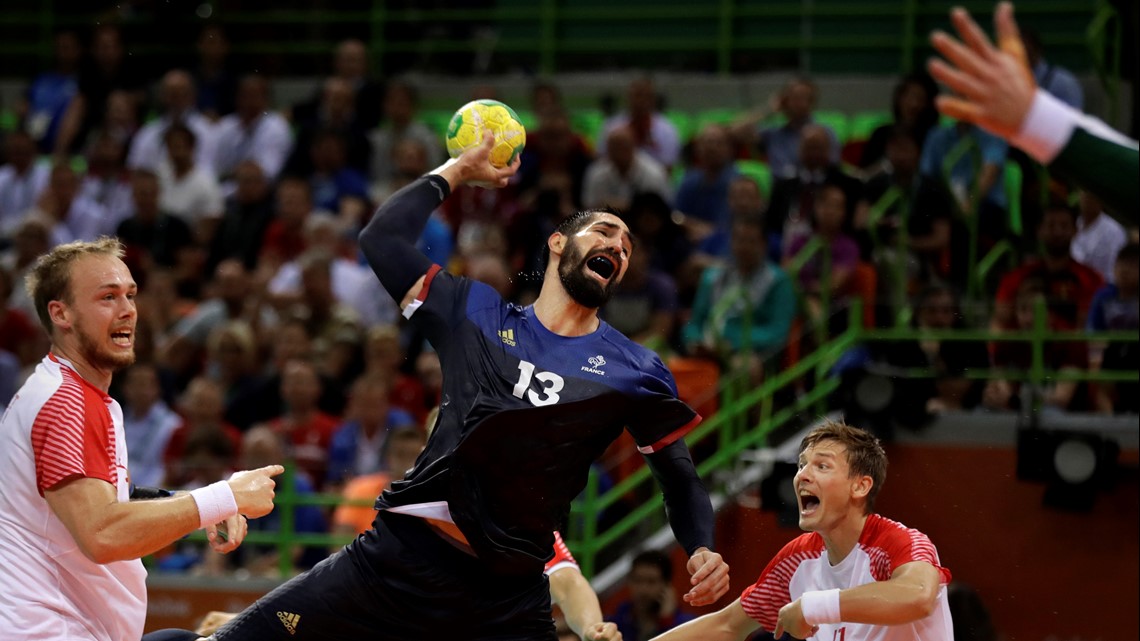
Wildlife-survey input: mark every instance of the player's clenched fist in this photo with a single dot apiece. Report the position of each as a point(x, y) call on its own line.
point(253, 490)
point(602, 632)
point(791, 620)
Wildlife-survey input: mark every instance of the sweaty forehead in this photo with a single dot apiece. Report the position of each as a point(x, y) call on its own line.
point(607, 218)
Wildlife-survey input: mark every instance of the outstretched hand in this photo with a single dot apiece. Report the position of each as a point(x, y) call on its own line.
point(709, 579)
point(602, 632)
point(995, 86)
point(253, 490)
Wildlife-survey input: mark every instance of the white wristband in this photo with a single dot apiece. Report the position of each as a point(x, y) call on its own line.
point(820, 606)
point(216, 503)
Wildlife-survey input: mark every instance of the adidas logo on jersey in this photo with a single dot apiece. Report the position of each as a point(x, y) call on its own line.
point(290, 621)
point(508, 336)
point(596, 364)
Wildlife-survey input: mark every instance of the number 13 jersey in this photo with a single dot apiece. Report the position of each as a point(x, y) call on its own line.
point(523, 413)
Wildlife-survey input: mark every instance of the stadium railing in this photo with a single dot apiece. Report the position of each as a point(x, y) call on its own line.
point(552, 36)
point(748, 417)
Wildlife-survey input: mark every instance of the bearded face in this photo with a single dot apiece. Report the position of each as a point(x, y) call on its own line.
point(102, 297)
point(119, 355)
point(589, 279)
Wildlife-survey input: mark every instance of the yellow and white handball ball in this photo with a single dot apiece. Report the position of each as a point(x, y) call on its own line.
point(478, 116)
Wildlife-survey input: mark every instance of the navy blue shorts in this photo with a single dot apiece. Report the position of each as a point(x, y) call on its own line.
point(399, 581)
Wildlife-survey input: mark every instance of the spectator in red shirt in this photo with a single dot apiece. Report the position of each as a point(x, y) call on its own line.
point(1068, 286)
point(201, 409)
point(383, 358)
point(18, 334)
point(306, 429)
point(284, 238)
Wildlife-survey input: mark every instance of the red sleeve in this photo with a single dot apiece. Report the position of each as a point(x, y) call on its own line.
point(70, 437)
point(671, 437)
point(562, 555)
point(15, 329)
point(1007, 290)
point(428, 278)
point(762, 600)
point(175, 446)
point(893, 545)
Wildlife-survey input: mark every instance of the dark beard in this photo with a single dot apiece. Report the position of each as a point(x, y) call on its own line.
point(100, 359)
point(585, 291)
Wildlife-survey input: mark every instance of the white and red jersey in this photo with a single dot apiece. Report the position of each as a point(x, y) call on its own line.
point(562, 557)
point(59, 426)
point(802, 566)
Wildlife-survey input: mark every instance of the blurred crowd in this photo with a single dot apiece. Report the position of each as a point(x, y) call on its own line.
point(263, 336)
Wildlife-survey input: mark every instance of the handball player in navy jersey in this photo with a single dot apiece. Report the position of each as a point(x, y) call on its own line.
point(531, 396)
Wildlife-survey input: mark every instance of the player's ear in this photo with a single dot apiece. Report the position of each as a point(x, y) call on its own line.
point(556, 243)
point(60, 314)
point(861, 486)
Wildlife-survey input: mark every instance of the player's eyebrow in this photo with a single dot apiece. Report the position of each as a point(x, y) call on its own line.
point(117, 286)
point(824, 454)
point(624, 232)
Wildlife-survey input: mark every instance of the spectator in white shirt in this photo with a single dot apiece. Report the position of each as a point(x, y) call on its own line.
point(120, 118)
point(21, 181)
point(624, 171)
point(353, 284)
point(652, 132)
point(176, 93)
point(253, 132)
point(235, 296)
point(70, 215)
point(148, 423)
point(1099, 237)
point(400, 102)
point(107, 182)
point(188, 191)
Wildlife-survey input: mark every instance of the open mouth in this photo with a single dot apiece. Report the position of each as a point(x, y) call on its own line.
point(602, 265)
point(809, 503)
point(121, 338)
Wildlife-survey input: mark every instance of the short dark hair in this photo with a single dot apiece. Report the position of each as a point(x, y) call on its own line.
point(921, 79)
point(578, 221)
point(865, 454)
point(657, 559)
point(575, 223)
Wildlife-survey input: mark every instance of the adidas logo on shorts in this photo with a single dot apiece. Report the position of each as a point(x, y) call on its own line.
point(290, 621)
